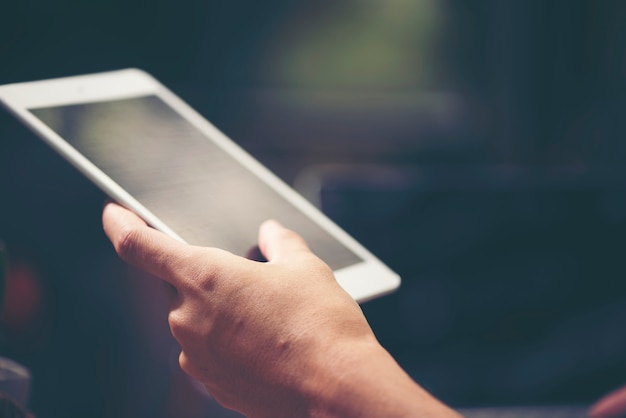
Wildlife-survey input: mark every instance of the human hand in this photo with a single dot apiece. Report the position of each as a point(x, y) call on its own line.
point(612, 405)
point(271, 339)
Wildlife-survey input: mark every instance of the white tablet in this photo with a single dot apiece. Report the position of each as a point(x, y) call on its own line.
point(150, 151)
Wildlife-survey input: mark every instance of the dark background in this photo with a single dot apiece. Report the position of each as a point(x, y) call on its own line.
point(477, 147)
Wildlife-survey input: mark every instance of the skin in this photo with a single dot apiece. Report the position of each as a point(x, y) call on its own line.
point(611, 406)
point(274, 339)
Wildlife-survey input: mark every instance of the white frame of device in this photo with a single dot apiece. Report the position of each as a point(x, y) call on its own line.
point(363, 281)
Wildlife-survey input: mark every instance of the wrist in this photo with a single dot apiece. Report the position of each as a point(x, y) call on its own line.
point(359, 378)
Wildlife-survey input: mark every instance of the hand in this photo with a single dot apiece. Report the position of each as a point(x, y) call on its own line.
point(612, 405)
point(271, 339)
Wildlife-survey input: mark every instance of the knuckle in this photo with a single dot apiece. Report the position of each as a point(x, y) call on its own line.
point(127, 241)
point(185, 364)
point(204, 269)
point(178, 325)
point(188, 367)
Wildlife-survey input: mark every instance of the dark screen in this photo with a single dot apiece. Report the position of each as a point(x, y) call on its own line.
point(188, 181)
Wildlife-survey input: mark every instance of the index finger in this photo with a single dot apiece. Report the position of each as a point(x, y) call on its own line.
point(142, 246)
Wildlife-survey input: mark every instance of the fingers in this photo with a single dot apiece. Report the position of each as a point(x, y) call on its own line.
point(142, 246)
point(279, 243)
point(612, 405)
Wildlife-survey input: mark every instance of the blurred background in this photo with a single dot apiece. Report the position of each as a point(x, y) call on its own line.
point(476, 147)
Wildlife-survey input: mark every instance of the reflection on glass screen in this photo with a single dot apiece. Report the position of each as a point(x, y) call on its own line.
point(181, 176)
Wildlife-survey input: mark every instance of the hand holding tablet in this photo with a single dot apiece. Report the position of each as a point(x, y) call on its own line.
point(274, 339)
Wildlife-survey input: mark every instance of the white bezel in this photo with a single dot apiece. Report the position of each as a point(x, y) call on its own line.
point(363, 281)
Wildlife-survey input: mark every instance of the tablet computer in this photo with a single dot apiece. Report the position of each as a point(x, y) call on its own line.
point(150, 151)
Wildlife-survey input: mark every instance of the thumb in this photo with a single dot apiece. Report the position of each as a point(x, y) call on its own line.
point(278, 243)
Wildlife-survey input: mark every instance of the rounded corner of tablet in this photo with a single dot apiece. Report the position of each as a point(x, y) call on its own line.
point(368, 280)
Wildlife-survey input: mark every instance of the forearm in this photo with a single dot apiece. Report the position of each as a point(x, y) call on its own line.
point(365, 381)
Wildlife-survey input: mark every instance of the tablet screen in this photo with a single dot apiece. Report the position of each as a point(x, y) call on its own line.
point(188, 181)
